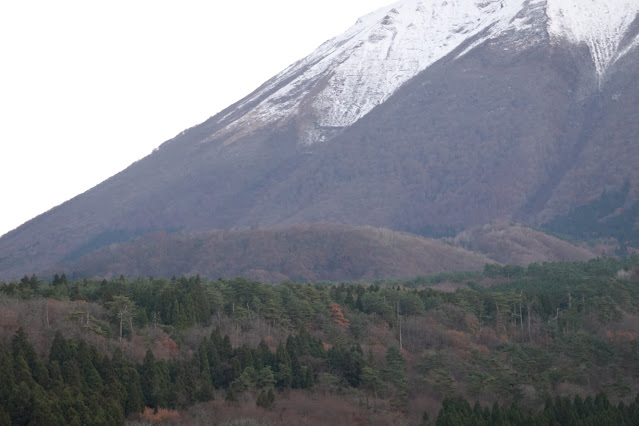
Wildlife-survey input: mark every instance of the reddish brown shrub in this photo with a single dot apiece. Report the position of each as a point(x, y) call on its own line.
point(338, 316)
point(161, 415)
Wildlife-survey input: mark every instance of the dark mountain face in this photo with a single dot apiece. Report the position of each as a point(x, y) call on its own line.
point(463, 143)
point(492, 131)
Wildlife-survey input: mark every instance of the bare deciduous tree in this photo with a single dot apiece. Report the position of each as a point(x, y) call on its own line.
point(123, 308)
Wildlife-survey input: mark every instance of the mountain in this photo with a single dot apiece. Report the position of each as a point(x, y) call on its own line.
point(425, 115)
point(311, 253)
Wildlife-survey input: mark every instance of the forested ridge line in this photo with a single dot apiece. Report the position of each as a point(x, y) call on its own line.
point(93, 351)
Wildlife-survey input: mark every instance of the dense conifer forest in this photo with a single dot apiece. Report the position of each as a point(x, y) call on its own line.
point(552, 343)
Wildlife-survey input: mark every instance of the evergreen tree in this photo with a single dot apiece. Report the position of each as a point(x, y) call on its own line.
point(265, 378)
point(226, 349)
point(283, 372)
point(21, 346)
point(20, 404)
point(205, 383)
point(22, 372)
point(135, 399)
point(44, 411)
point(7, 377)
point(149, 380)
point(349, 361)
point(5, 418)
point(371, 380)
point(266, 398)
point(263, 356)
point(56, 382)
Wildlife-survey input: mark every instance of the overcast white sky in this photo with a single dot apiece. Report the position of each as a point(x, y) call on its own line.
point(88, 87)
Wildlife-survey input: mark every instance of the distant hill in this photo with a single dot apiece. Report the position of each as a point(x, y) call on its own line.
point(517, 244)
point(316, 252)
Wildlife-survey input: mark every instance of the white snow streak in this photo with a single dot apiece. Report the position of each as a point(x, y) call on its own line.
point(601, 24)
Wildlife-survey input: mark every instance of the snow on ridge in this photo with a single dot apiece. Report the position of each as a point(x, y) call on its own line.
point(409, 37)
point(601, 24)
point(361, 68)
point(347, 76)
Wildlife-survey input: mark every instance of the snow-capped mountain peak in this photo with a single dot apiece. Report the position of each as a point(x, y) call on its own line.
point(347, 76)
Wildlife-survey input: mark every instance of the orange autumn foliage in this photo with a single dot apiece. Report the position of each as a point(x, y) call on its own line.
point(159, 416)
point(338, 315)
point(165, 348)
point(621, 336)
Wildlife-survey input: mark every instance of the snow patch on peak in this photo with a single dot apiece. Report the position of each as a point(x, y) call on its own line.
point(389, 47)
point(349, 75)
point(601, 24)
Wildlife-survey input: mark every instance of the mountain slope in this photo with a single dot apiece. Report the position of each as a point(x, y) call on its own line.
point(424, 114)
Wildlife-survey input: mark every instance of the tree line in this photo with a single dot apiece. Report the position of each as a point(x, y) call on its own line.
point(578, 411)
point(512, 334)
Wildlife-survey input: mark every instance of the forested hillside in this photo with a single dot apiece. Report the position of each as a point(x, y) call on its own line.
point(321, 252)
point(536, 344)
point(303, 252)
point(509, 243)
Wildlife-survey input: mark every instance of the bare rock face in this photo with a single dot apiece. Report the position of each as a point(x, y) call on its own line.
point(425, 114)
